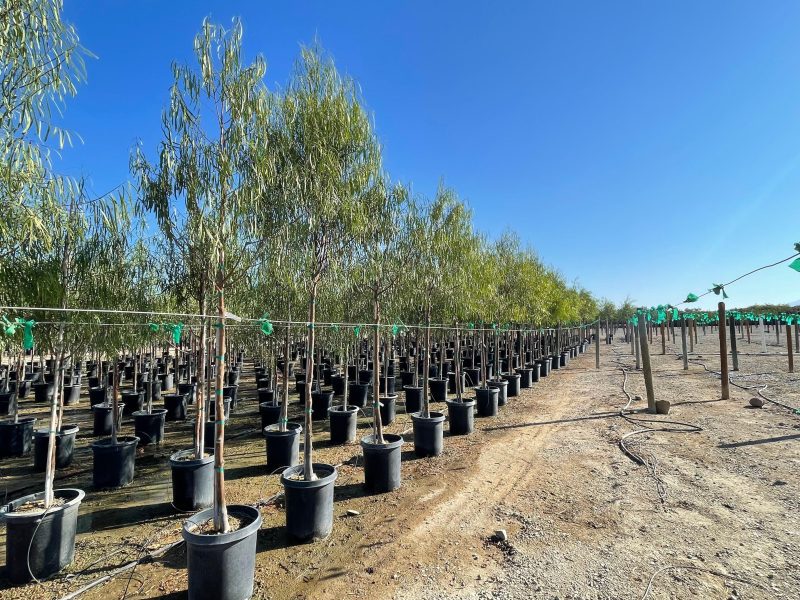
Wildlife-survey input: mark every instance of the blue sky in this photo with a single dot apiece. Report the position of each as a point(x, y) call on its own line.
point(644, 149)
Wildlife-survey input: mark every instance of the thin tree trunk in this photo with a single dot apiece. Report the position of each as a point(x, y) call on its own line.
point(200, 417)
point(308, 451)
point(220, 509)
point(377, 425)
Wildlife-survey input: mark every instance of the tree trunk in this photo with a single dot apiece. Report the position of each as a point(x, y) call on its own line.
point(308, 450)
point(200, 392)
point(377, 425)
point(426, 365)
point(220, 509)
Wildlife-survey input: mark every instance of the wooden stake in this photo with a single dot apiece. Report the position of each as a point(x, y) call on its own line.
point(640, 331)
point(597, 345)
point(734, 353)
point(789, 347)
point(723, 353)
point(763, 327)
point(663, 340)
point(683, 343)
point(648, 374)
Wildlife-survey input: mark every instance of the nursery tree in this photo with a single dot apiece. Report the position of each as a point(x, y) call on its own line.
point(207, 187)
point(329, 154)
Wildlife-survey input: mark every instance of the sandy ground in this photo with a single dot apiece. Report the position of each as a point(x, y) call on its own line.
point(712, 514)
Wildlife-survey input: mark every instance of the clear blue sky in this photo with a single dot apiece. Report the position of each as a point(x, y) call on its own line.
point(642, 148)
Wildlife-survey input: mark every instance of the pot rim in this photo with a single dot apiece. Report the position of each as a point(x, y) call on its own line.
point(20, 421)
point(7, 516)
point(198, 539)
point(125, 440)
point(274, 431)
point(323, 481)
point(65, 430)
point(465, 402)
point(435, 417)
point(175, 463)
point(154, 413)
point(396, 442)
point(339, 408)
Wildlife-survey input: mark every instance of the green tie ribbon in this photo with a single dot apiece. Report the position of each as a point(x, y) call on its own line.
point(266, 325)
point(691, 298)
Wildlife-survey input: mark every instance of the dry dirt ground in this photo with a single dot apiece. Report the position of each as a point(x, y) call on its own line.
point(712, 514)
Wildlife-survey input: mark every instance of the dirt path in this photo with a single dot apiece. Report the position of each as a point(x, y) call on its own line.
point(583, 520)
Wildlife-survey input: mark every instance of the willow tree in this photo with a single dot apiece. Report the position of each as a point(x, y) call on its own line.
point(383, 247)
point(206, 189)
point(41, 66)
point(330, 161)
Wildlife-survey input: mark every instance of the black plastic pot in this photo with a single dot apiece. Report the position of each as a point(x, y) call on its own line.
point(72, 394)
point(451, 381)
point(149, 427)
point(266, 395)
point(343, 424)
point(114, 464)
point(337, 383)
point(536, 372)
point(156, 389)
point(99, 395)
point(167, 381)
point(486, 401)
point(103, 418)
point(413, 399)
point(428, 433)
point(132, 401)
point(65, 446)
point(270, 413)
point(175, 405)
point(40, 543)
point(309, 504)
point(43, 392)
point(365, 376)
point(382, 471)
point(406, 378)
point(555, 363)
point(192, 480)
point(283, 447)
point(320, 403)
point(388, 408)
point(233, 377)
point(383, 383)
point(502, 388)
point(526, 377)
point(8, 403)
point(189, 390)
point(16, 439)
point(513, 380)
point(221, 566)
point(438, 389)
point(472, 377)
point(461, 416)
point(564, 358)
point(232, 392)
point(544, 367)
point(357, 394)
point(226, 409)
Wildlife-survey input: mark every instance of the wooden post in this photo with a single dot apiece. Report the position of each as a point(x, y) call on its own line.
point(690, 325)
point(796, 336)
point(648, 374)
point(789, 347)
point(683, 342)
point(632, 335)
point(663, 340)
point(778, 331)
point(763, 327)
point(597, 345)
point(638, 333)
point(694, 326)
point(723, 353)
point(748, 331)
point(734, 353)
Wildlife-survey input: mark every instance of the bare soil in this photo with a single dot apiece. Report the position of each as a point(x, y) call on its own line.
point(710, 514)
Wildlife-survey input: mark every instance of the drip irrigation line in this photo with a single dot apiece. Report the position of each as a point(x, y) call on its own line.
point(694, 568)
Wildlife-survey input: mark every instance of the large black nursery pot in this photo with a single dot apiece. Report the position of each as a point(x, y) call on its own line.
point(555, 361)
point(388, 409)
point(192, 480)
point(337, 383)
point(365, 376)
point(232, 392)
point(149, 427)
point(564, 358)
point(72, 394)
point(407, 378)
point(8, 402)
point(343, 424)
point(472, 377)
point(40, 543)
point(99, 395)
point(114, 464)
point(309, 504)
point(265, 395)
point(544, 367)
point(526, 377)
point(189, 390)
point(16, 439)
point(103, 418)
point(502, 387)
point(461, 416)
point(382, 471)
point(536, 372)
point(486, 401)
point(270, 413)
point(132, 401)
point(175, 405)
point(65, 446)
point(167, 381)
point(221, 566)
point(384, 382)
point(513, 380)
point(413, 398)
point(438, 389)
point(428, 433)
point(357, 394)
point(283, 447)
point(43, 392)
point(320, 403)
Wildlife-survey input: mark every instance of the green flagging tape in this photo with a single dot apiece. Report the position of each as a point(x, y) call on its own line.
point(222, 422)
point(718, 287)
point(310, 325)
point(283, 421)
point(219, 469)
point(219, 392)
point(691, 298)
point(357, 330)
point(795, 264)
